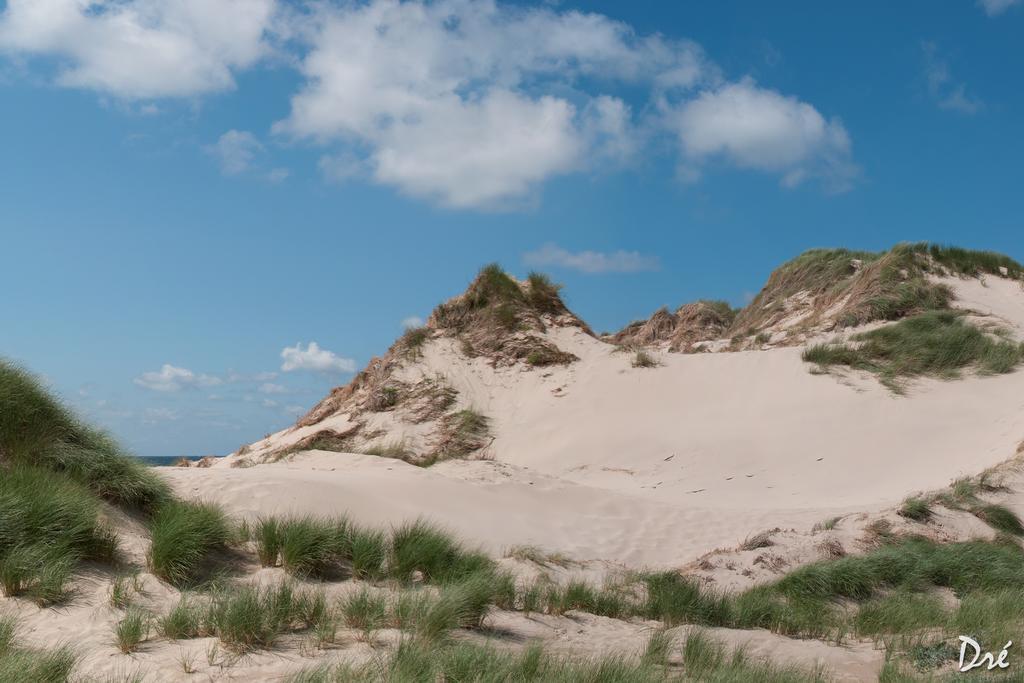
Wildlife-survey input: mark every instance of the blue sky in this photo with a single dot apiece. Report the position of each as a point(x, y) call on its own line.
point(189, 189)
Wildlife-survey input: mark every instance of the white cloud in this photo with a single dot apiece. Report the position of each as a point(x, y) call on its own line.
point(994, 7)
point(239, 151)
point(271, 388)
point(155, 415)
point(294, 411)
point(140, 49)
point(412, 321)
point(315, 359)
point(235, 377)
point(171, 378)
point(236, 150)
point(468, 104)
point(590, 261)
point(269, 403)
point(473, 103)
point(278, 175)
point(761, 129)
point(947, 92)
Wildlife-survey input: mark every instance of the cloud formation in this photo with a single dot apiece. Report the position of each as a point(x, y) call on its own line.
point(947, 92)
point(761, 129)
point(171, 378)
point(464, 103)
point(412, 321)
point(473, 103)
point(592, 262)
point(141, 49)
point(238, 151)
point(996, 7)
point(315, 359)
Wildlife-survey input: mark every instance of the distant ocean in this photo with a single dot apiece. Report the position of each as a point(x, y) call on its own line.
point(166, 460)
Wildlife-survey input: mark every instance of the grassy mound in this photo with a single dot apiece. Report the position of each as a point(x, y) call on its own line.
point(35, 429)
point(497, 317)
point(857, 287)
point(47, 524)
point(938, 344)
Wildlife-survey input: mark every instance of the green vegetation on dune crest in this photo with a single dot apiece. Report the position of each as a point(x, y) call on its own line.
point(937, 343)
point(858, 287)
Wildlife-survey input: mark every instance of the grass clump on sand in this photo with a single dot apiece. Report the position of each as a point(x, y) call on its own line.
point(416, 660)
point(26, 664)
point(917, 509)
point(247, 617)
point(938, 344)
point(365, 611)
point(47, 524)
point(543, 293)
point(324, 548)
point(132, 630)
point(462, 433)
point(267, 537)
point(185, 620)
point(312, 546)
point(36, 429)
point(367, 551)
point(434, 553)
point(184, 535)
point(413, 339)
point(643, 359)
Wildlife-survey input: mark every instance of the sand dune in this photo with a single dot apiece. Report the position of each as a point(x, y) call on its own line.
point(656, 466)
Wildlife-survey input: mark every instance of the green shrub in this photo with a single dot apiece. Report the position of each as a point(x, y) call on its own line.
point(183, 537)
point(675, 599)
point(422, 547)
point(367, 550)
point(312, 546)
point(267, 535)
